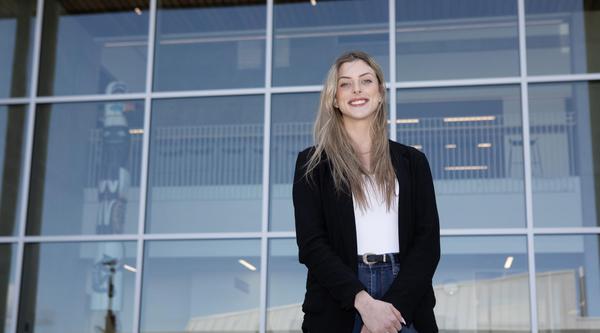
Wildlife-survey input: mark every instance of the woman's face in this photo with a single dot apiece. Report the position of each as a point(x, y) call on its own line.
point(357, 95)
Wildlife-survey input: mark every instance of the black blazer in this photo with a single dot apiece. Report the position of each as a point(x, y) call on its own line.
point(326, 237)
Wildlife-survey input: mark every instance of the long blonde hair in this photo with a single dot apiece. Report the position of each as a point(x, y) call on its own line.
point(331, 137)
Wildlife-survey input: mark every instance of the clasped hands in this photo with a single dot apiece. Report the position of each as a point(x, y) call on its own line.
point(377, 316)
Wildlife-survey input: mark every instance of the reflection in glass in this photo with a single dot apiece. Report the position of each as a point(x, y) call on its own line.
point(224, 45)
point(482, 285)
point(7, 286)
point(563, 36)
point(564, 153)
point(472, 137)
point(292, 119)
point(568, 283)
point(86, 45)
point(437, 39)
point(201, 286)
point(12, 130)
point(206, 165)
point(308, 38)
point(85, 168)
point(287, 278)
point(77, 287)
point(16, 42)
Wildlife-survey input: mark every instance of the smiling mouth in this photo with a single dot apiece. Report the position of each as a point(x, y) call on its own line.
point(358, 102)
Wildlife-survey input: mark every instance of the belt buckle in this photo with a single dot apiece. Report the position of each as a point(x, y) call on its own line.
point(366, 261)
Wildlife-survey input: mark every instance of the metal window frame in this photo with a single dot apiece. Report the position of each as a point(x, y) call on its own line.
point(20, 240)
point(28, 151)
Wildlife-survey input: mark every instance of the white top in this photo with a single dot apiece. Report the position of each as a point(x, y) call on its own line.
point(377, 228)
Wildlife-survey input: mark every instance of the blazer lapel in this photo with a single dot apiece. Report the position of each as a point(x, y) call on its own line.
point(348, 222)
point(402, 169)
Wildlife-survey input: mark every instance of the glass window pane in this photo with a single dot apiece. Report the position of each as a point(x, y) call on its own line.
point(88, 45)
point(308, 38)
point(564, 153)
point(201, 286)
point(563, 36)
point(85, 170)
point(437, 39)
point(292, 119)
point(206, 165)
point(287, 278)
point(472, 137)
point(17, 26)
point(12, 133)
point(67, 287)
point(482, 285)
point(568, 283)
point(7, 285)
point(223, 45)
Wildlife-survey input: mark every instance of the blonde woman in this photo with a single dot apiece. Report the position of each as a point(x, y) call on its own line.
point(366, 219)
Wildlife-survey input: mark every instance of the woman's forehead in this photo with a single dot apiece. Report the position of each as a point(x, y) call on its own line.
point(356, 67)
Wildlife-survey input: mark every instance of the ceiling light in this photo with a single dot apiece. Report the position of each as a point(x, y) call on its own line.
point(129, 268)
point(474, 118)
point(407, 121)
point(466, 167)
point(509, 261)
point(247, 264)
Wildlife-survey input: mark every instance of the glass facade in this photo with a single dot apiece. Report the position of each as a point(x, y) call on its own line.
point(97, 177)
point(473, 137)
point(224, 45)
point(12, 132)
point(437, 39)
point(147, 151)
point(16, 41)
point(201, 285)
point(87, 45)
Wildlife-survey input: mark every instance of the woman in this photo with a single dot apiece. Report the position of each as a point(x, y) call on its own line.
point(366, 219)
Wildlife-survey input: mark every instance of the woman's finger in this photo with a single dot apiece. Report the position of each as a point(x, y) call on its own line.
point(398, 315)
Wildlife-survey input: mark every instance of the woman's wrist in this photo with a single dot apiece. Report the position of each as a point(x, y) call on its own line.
point(361, 299)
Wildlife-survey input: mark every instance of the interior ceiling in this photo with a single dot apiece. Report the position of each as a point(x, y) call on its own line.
point(14, 8)
point(79, 6)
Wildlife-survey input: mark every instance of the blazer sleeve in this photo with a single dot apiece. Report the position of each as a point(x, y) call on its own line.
point(418, 266)
point(314, 249)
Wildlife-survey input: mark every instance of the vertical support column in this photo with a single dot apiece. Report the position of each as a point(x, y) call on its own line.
point(264, 240)
point(392, 78)
point(27, 156)
point(144, 169)
point(527, 167)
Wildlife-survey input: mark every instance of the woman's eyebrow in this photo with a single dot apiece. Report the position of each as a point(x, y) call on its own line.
point(347, 77)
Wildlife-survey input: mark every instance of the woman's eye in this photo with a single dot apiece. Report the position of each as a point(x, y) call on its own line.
point(344, 84)
point(367, 81)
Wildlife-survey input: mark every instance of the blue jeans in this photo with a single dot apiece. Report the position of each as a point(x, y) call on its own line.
point(377, 278)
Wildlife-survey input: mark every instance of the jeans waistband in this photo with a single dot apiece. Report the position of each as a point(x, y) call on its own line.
point(371, 258)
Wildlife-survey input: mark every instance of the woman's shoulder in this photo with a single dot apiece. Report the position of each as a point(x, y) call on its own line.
point(307, 153)
point(409, 152)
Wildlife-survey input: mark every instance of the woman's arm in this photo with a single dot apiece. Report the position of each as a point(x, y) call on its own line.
point(420, 262)
point(314, 248)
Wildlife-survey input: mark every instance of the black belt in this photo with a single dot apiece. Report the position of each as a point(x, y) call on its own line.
point(370, 258)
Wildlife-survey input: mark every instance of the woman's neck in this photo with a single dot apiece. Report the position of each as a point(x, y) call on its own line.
point(359, 133)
